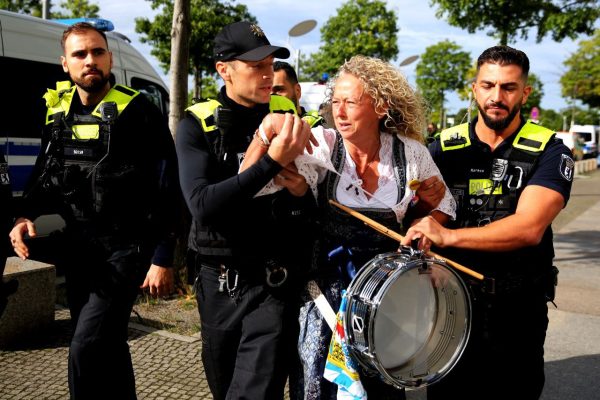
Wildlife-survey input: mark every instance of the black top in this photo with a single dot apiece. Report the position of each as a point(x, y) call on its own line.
point(551, 169)
point(135, 187)
point(230, 225)
point(5, 212)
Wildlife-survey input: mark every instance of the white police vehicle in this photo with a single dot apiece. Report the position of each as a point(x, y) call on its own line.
point(30, 63)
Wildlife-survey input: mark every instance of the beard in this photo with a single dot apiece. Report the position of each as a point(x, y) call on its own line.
point(96, 84)
point(503, 123)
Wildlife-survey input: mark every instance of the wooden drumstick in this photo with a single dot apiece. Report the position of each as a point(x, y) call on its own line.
point(398, 237)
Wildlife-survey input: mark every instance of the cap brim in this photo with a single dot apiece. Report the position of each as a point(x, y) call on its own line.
point(260, 53)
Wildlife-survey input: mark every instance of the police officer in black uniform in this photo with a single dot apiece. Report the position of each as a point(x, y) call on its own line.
point(108, 167)
point(247, 252)
point(510, 179)
point(6, 219)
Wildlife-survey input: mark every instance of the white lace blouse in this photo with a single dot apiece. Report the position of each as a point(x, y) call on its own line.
point(419, 166)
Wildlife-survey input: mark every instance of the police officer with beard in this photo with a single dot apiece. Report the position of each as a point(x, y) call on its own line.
point(108, 167)
point(510, 178)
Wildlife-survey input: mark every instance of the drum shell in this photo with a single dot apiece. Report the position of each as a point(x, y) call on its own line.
point(401, 325)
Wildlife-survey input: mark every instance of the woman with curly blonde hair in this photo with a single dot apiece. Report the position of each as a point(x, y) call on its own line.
point(375, 160)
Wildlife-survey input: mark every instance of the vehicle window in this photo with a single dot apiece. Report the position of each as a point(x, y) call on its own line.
point(22, 103)
point(155, 93)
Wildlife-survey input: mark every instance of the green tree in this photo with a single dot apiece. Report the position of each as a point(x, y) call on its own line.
point(507, 19)
point(77, 9)
point(442, 67)
point(358, 27)
point(535, 97)
point(31, 7)
point(552, 119)
point(582, 79)
point(70, 9)
point(208, 17)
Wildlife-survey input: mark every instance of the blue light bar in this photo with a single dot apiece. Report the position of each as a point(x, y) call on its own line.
point(99, 23)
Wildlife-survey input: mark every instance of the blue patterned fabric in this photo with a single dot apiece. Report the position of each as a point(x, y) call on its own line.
point(313, 345)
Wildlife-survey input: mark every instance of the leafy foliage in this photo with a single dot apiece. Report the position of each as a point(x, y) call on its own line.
point(77, 9)
point(507, 19)
point(551, 120)
point(582, 80)
point(208, 17)
point(71, 8)
point(358, 27)
point(443, 67)
point(535, 97)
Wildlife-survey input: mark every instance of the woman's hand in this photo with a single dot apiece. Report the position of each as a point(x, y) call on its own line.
point(292, 180)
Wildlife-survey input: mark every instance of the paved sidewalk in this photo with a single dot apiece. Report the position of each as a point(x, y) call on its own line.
point(168, 366)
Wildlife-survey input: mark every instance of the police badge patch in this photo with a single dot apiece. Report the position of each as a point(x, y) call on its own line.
point(257, 31)
point(567, 167)
point(4, 178)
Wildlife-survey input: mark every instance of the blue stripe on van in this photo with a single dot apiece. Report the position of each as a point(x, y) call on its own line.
point(22, 149)
point(19, 175)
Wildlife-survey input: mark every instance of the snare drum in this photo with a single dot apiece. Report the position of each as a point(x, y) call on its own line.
point(407, 318)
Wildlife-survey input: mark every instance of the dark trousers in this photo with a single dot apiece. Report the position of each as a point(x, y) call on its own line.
point(101, 290)
point(506, 346)
point(248, 341)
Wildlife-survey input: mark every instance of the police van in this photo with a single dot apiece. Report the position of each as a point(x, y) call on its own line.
point(30, 63)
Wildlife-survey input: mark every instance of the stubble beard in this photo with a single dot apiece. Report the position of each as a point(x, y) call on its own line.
point(95, 85)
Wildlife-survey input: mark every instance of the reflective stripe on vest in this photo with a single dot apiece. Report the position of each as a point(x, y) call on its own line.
point(204, 111)
point(531, 137)
point(312, 118)
point(455, 138)
point(62, 97)
point(58, 100)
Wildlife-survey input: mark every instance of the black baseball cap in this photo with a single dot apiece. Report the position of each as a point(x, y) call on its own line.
point(246, 42)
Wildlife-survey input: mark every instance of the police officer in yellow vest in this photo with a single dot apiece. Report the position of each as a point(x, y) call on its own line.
point(108, 167)
point(510, 179)
point(285, 83)
point(247, 253)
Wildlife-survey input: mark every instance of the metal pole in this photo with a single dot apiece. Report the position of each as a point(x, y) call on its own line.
point(298, 63)
point(45, 9)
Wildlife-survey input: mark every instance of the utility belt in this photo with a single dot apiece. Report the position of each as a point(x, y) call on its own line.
point(514, 284)
point(231, 274)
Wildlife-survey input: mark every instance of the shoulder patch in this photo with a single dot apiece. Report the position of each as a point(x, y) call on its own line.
point(4, 178)
point(567, 167)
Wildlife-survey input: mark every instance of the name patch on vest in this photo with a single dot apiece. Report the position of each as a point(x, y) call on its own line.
point(477, 187)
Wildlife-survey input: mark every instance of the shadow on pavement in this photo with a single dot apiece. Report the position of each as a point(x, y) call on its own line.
point(580, 245)
point(572, 378)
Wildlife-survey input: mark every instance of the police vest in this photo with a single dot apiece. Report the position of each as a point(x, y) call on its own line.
point(313, 118)
point(215, 121)
point(78, 143)
point(486, 191)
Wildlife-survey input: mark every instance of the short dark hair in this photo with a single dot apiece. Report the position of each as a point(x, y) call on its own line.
point(289, 71)
point(504, 55)
point(78, 29)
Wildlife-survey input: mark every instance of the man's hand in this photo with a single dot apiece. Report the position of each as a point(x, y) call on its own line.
point(428, 231)
point(159, 281)
point(22, 226)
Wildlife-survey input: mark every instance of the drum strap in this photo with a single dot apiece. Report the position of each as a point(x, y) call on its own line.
point(322, 304)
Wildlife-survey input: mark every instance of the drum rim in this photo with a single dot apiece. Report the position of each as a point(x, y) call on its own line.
point(375, 302)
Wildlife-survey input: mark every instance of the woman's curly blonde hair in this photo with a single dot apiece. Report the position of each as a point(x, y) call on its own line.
point(390, 91)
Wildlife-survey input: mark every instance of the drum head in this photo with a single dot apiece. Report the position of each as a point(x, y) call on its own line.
point(416, 315)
